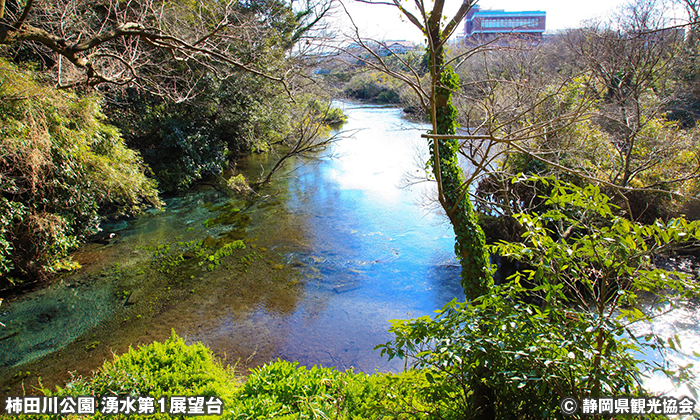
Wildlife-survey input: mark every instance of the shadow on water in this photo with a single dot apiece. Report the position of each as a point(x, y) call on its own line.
point(332, 252)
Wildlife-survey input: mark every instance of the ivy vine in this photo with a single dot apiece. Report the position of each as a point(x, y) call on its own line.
point(470, 241)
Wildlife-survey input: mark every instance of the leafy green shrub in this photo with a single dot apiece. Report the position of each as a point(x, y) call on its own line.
point(499, 357)
point(280, 390)
point(375, 87)
point(160, 369)
point(286, 390)
point(328, 115)
point(61, 168)
point(185, 152)
point(396, 396)
point(516, 351)
point(238, 184)
point(184, 142)
point(10, 213)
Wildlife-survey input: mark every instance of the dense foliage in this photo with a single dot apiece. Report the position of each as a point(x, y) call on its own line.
point(279, 389)
point(611, 103)
point(61, 168)
point(563, 326)
point(185, 140)
point(157, 370)
point(374, 87)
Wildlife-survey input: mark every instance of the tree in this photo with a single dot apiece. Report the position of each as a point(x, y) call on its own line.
point(630, 142)
point(310, 134)
point(634, 134)
point(631, 74)
point(157, 46)
point(496, 123)
point(686, 108)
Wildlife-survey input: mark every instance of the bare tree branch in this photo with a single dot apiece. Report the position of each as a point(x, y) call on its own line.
point(25, 13)
point(221, 34)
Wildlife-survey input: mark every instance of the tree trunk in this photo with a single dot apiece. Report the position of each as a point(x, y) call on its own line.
point(470, 245)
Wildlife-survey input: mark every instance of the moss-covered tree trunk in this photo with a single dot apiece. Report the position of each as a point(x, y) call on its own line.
point(470, 245)
point(470, 241)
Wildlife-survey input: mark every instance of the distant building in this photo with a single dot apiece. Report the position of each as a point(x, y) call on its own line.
point(400, 47)
point(488, 25)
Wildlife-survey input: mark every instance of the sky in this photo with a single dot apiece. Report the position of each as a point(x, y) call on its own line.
point(384, 22)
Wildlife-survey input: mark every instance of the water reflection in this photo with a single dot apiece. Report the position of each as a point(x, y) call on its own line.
point(682, 321)
point(368, 251)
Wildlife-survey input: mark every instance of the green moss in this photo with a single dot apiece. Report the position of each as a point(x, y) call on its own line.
point(248, 259)
point(470, 241)
point(209, 242)
point(213, 260)
point(92, 346)
point(183, 259)
point(228, 207)
point(267, 204)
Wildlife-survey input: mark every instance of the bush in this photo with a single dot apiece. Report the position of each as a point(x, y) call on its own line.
point(517, 351)
point(172, 368)
point(499, 357)
point(61, 168)
point(281, 390)
point(185, 152)
point(286, 390)
point(185, 142)
point(375, 87)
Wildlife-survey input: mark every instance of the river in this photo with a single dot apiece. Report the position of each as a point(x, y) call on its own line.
point(336, 246)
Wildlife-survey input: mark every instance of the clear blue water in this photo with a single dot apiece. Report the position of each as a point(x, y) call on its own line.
point(338, 245)
point(343, 242)
point(370, 250)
